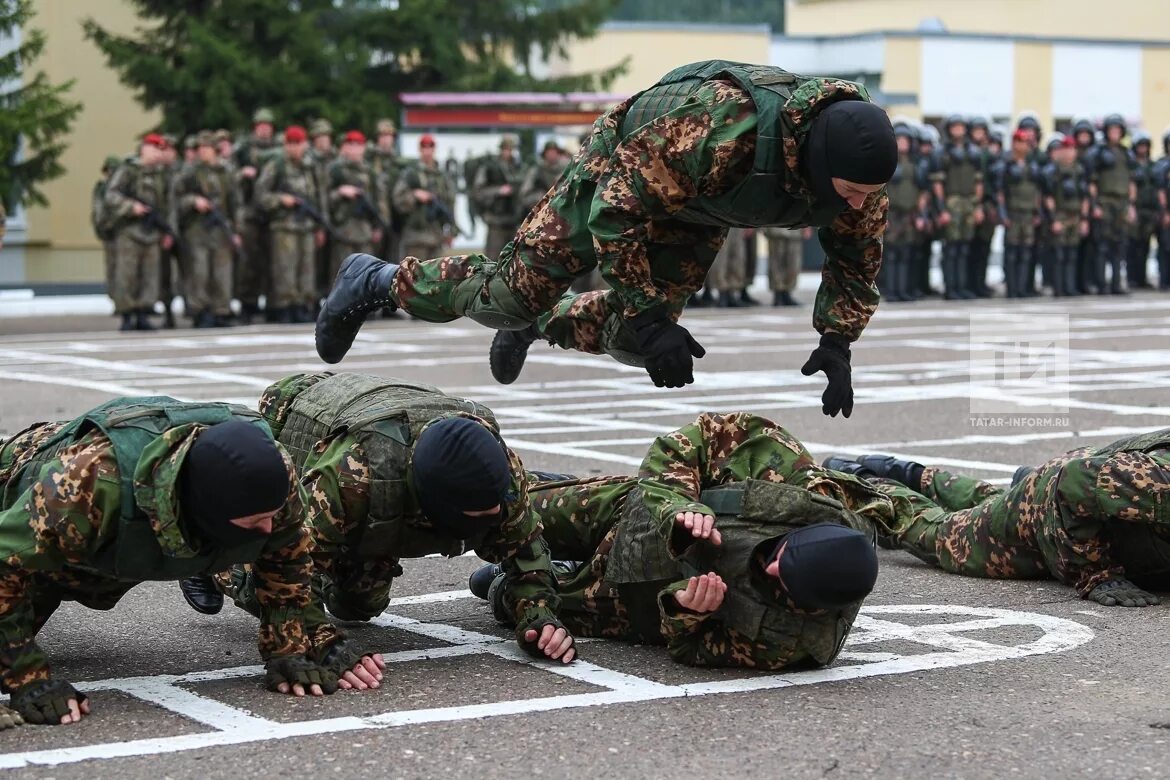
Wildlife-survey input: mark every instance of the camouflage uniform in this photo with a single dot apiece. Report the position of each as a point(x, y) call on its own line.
point(500, 212)
point(1065, 193)
point(207, 246)
point(65, 534)
point(761, 483)
point(728, 274)
point(137, 248)
point(353, 229)
point(423, 229)
point(293, 271)
point(101, 219)
point(1142, 231)
point(785, 255)
point(253, 264)
point(649, 200)
point(1086, 517)
point(387, 167)
point(902, 237)
point(321, 162)
point(1109, 169)
point(363, 514)
point(957, 175)
point(1018, 190)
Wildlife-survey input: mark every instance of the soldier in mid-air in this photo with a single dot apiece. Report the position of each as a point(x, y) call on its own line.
point(649, 198)
point(732, 547)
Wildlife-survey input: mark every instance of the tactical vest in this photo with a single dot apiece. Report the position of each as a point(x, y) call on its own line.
point(1112, 166)
point(749, 514)
point(759, 200)
point(1067, 189)
point(1144, 550)
point(903, 187)
point(1020, 186)
point(131, 424)
point(385, 416)
point(1147, 189)
point(961, 164)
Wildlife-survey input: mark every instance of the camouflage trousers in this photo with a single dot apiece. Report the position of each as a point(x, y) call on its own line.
point(292, 283)
point(251, 278)
point(1038, 528)
point(961, 228)
point(528, 282)
point(239, 584)
point(134, 276)
point(785, 256)
point(28, 600)
point(209, 275)
point(729, 271)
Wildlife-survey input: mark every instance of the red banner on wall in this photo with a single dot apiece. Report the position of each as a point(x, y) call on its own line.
point(494, 117)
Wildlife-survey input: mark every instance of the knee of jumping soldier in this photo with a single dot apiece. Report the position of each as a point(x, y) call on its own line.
point(485, 297)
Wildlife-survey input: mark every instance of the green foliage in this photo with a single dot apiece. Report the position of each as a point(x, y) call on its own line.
point(704, 11)
point(209, 63)
point(35, 115)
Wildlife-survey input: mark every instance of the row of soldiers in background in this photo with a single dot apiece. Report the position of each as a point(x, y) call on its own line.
point(1075, 208)
point(734, 267)
point(268, 221)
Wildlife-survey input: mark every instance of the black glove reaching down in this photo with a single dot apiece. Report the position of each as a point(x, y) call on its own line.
point(832, 357)
point(297, 670)
point(667, 347)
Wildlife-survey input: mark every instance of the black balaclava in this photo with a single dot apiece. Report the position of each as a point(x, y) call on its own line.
point(234, 469)
point(826, 565)
point(459, 466)
point(851, 140)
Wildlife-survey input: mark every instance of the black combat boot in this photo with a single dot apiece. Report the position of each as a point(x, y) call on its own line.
point(487, 582)
point(729, 299)
point(746, 299)
point(508, 351)
point(963, 271)
point(1115, 263)
point(127, 322)
point(223, 321)
point(949, 265)
point(362, 286)
point(1011, 275)
point(1069, 265)
point(784, 298)
point(201, 594)
point(204, 319)
point(907, 472)
point(142, 320)
point(847, 466)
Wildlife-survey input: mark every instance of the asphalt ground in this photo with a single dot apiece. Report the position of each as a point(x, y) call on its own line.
point(943, 676)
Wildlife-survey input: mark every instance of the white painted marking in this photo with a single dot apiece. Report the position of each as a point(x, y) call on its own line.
point(234, 726)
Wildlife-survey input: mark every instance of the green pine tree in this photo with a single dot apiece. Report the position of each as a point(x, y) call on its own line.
point(35, 115)
point(210, 63)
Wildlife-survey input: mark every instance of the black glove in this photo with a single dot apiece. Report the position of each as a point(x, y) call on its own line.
point(45, 702)
point(293, 669)
point(533, 648)
point(1122, 593)
point(832, 357)
point(338, 657)
point(667, 348)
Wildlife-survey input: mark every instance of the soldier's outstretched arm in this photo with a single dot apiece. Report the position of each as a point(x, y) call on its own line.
point(47, 527)
point(519, 548)
point(702, 148)
point(848, 296)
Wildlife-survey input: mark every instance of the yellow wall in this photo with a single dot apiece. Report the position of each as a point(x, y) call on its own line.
point(653, 52)
point(903, 73)
point(1128, 19)
point(1156, 94)
point(108, 124)
point(1033, 87)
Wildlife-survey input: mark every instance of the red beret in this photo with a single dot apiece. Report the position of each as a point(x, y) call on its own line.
point(154, 139)
point(1068, 142)
point(1020, 135)
point(354, 137)
point(295, 134)
point(427, 140)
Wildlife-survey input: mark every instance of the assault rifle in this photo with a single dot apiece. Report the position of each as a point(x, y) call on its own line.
point(305, 209)
point(438, 210)
point(366, 209)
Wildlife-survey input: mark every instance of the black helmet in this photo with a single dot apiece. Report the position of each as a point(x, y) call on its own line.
point(1082, 126)
point(977, 121)
point(1114, 120)
point(1141, 137)
point(995, 137)
point(1166, 141)
point(955, 119)
point(1028, 122)
point(1055, 142)
point(902, 129)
